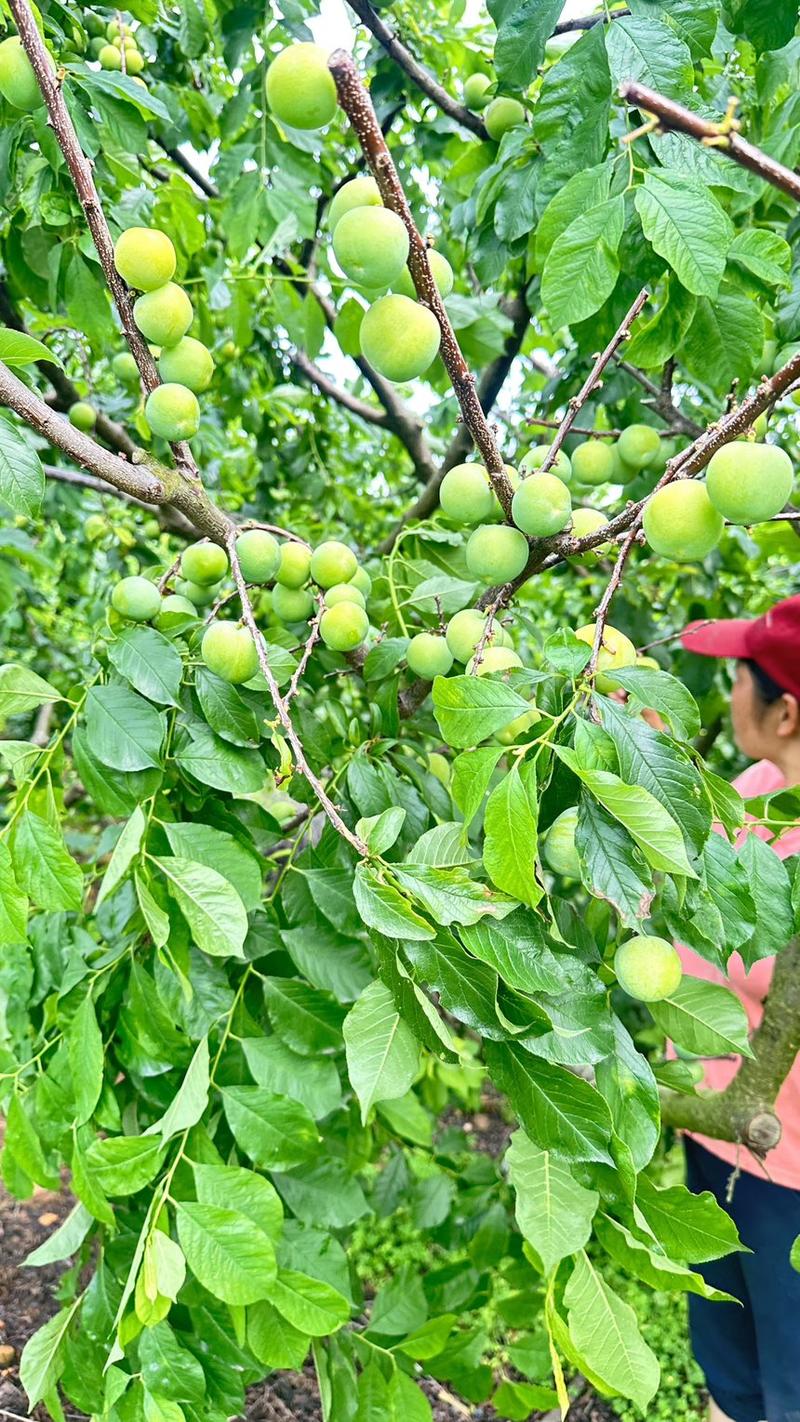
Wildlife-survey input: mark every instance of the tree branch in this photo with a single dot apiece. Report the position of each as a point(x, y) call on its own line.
point(416, 72)
point(661, 401)
point(588, 22)
point(206, 185)
point(337, 393)
point(674, 118)
point(170, 519)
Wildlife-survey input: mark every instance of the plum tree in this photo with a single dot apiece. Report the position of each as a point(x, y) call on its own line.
point(593, 462)
point(136, 598)
point(476, 88)
point(125, 368)
point(229, 651)
point(188, 363)
point(493, 659)
point(466, 495)
point(343, 627)
point(172, 412)
point(681, 523)
point(648, 968)
point(300, 88)
point(295, 565)
point(428, 655)
point(496, 553)
point(558, 845)
point(292, 604)
point(18, 83)
point(399, 337)
point(638, 445)
point(542, 505)
point(501, 115)
point(517, 729)
point(164, 314)
point(371, 246)
point(358, 192)
point(82, 415)
point(332, 562)
point(748, 483)
point(616, 651)
point(204, 563)
point(344, 592)
point(441, 271)
point(259, 555)
point(535, 457)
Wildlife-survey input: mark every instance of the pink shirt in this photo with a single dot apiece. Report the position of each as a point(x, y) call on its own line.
point(783, 1163)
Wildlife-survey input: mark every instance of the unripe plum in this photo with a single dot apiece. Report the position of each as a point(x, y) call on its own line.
point(439, 766)
point(584, 522)
point(173, 612)
point(501, 115)
point(229, 651)
point(558, 847)
point(110, 57)
point(18, 83)
point(466, 495)
point(475, 91)
point(82, 415)
point(259, 555)
point(494, 659)
point(616, 651)
point(441, 271)
point(134, 61)
point(496, 553)
point(125, 368)
point(399, 337)
point(464, 632)
point(343, 627)
point(358, 192)
point(681, 523)
point(172, 412)
point(331, 563)
point(300, 87)
point(593, 462)
point(516, 730)
point(189, 363)
point(638, 445)
point(535, 457)
point(428, 655)
point(344, 592)
point(292, 604)
point(648, 968)
point(136, 598)
point(196, 593)
point(371, 246)
point(295, 565)
point(163, 315)
point(362, 580)
point(204, 563)
point(542, 505)
point(748, 483)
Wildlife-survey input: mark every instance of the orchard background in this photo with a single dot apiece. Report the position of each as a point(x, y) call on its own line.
point(281, 910)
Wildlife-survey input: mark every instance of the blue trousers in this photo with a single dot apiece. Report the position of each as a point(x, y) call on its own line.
point(750, 1355)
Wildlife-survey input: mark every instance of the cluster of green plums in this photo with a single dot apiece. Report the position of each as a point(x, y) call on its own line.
point(113, 43)
point(115, 46)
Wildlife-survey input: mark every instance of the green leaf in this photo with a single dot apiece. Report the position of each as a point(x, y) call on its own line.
point(234, 1188)
point(188, 1105)
point(210, 904)
point(379, 832)
point(21, 472)
point(125, 851)
point(511, 838)
point(123, 1165)
point(64, 1241)
point(274, 1132)
point(654, 341)
point(449, 895)
point(553, 1210)
point(21, 690)
point(612, 866)
point(273, 1340)
point(705, 1018)
point(606, 1333)
point(666, 695)
point(86, 1057)
point(651, 759)
point(313, 1081)
point(18, 348)
point(651, 53)
point(44, 869)
point(384, 908)
point(582, 266)
point(42, 1361)
point(13, 903)
point(687, 227)
point(559, 1111)
point(518, 950)
point(472, 772)
point(772, 894)
point(443, 846)
point(724, 337)
point(225, 709)
point(467, 989)
point(382, 1053)
point(656, 1270)
point(150, 662)
point(583, 191)
point(626, 1080)
point(691, 1228)
point(523, 27)
point(307, 1020)
point(654, 830)
point(518, 1400)
point(227, 1253)
point(168, 1369)
point(222, 852)
point(156, 920)
point(765, 254)
point(469, 709)
point(212, 761)
point(124, 731)
point(311, 1306)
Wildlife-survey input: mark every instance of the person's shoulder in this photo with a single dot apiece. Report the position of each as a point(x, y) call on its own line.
point(759, 779)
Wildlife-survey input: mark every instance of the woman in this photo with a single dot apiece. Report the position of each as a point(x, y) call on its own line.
point(751, 1354)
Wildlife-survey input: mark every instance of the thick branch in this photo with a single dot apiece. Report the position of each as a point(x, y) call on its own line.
point(337, 393)
point(419, 75)
point(675, 118)
point(357, 105)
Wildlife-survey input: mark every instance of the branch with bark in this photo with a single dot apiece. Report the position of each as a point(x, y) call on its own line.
point(169, 518)
point(662, 402)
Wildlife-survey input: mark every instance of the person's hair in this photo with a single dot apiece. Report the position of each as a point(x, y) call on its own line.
point(767, 688)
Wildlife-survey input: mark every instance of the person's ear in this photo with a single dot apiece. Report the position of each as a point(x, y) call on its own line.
point(789, 723)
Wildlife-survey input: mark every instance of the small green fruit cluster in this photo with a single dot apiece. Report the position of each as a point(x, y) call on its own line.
point(431, 654)
point(118, 49)
point(138, 600)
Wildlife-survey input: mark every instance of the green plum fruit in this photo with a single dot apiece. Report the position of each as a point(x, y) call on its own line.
point(18, 83)
point(259, 555)
point(535, 457)
point(173, 612)
point(501, 115)
point(584, 522)
point(201, 596)
point(475, 91)
point(82, 415)
point(496, 553)
point(125, 368)
point(624, 473)
point(749, 483)
point(163, 315)
point(466, 495)
point(648, 968)
point(517, 729)
point(638, 445)
point(362, 580)
point(758, 430)
point(172, 412)
point(371, 246)
point(494, 659)
point(295, 565)
point(441, 271)
point(681, 523)
point(95, 46)
point(229, 651)
point(300, 88)
point(292, 604)
point(136, 598)
point(110, 57)
point(542, 505)
point(439, 766)
point(204, 563)
point(134, 61)
point(428, 655)
point(616, 651)
point(332, 562)
point(358, 192)
point(399, 337)
point(344, 592)
point(464, 632)
point(593, 462)
point(649, 663)
point(558, 846)
point(115, 28)
point(189, 363)
point(343, 627)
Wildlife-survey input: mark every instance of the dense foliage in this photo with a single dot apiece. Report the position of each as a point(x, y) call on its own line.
point(240, 1034)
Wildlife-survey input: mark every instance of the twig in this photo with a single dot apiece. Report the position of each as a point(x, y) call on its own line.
point(357, 104)
point(420, 76)
point(169, 519)
point(486, 634)
point(337, 393)
point(592, 380)
point(675, 118)
point(41, 729)
point(310, 643)
point(588, 22)
point(604, 606)
point(663, 403)
point(199, 179)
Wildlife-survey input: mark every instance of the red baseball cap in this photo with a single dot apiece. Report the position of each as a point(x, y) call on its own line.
point(771, 641)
